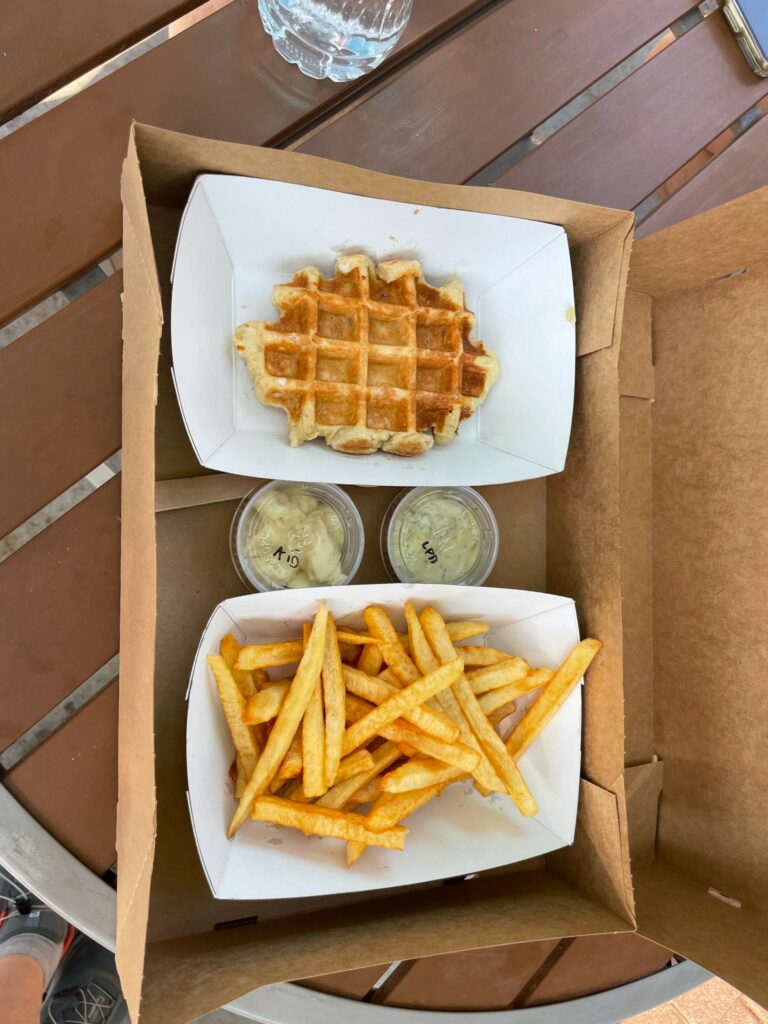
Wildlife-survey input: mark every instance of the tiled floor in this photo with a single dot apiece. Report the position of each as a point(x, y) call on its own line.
point(714, 1002)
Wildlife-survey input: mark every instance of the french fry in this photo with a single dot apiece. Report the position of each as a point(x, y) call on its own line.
point(349, 636)
point(260, 677)
point(459, 754)
point(266, 704)
point(552, 698)
point(421, 651)
point(388, 676)
point(240, 777)
point(491, 677)
point(269, 655)
point(377, 690)
point(501, 713)
point(323, 821)
point(392, 650)
point(293, 761)
point(247, 682)
point(349, 652)
point(483, 772)
point(333, 699)
point(539, 677)
point(354, 709)
point(504, 694)
point(419, 773)
point(313, 745)
point(229, 649)
point(403, 700)
point(370, 660)
point(367, 794)
point(287, 722)
point(233, 706)
point(494, 747)
point(492, 743)
point(465, 629)
point(342, 792)
point(391, 808)
point(354, 763)
point(403, 733)
point(477, 657)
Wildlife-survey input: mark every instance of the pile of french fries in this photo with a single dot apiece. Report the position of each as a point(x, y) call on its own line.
point(379, 719)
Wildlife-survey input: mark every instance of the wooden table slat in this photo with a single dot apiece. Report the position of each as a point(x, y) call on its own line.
point(69, 783)
point(594, 963)
point(479, 979)
point(446, 116)
point(46, 44)
point(739, 169)
point(59, 596)
point(221, 78)
point(621, 148)
point(60, 401)
point(348, 984)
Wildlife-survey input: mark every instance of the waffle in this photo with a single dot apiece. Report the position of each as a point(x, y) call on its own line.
point(369, 358)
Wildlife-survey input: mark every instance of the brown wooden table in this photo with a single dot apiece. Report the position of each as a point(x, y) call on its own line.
point(644, 106)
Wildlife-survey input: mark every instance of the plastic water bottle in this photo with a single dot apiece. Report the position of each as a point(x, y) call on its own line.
point(336, 39)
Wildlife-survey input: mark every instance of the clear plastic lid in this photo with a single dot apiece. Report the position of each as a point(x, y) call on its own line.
point(440, 535)
point(292, 535)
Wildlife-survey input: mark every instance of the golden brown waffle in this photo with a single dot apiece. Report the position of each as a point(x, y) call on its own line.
point(369, 358)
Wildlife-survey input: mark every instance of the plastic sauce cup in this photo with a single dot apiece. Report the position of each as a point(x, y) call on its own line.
point(293, 535)
point(440, 535)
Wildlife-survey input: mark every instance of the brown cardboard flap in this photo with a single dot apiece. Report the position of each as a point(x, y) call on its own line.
point(136, 806)
point(642, 785)
point(584, 563)
point(681, 914)
point(174, 454)
point(707, 285)
point(135, 210)
point(600, 829)
point(600, 271)
point(637, 576)
point(487, 912)
point(710, 530)
point(202, 490)
point(635, 354)
point(711, 245)
point(170, 162)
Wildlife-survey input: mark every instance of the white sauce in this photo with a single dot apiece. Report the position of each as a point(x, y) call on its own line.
point(440, 540)
point(296, 540)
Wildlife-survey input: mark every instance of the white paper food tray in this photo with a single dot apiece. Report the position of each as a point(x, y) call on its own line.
point(240, 236)
point(458, 833)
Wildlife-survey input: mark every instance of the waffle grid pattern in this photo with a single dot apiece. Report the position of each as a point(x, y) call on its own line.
point(369, 361)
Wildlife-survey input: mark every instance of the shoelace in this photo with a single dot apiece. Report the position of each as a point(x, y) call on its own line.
point(17, 913)
point(24, 896)
point(94, 997)
point(14, 885)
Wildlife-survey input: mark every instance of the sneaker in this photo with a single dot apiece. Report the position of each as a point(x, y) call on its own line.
point(86, 988)
point(22, 913)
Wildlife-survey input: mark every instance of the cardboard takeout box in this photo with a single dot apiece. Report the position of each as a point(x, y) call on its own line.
point(650, 529)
